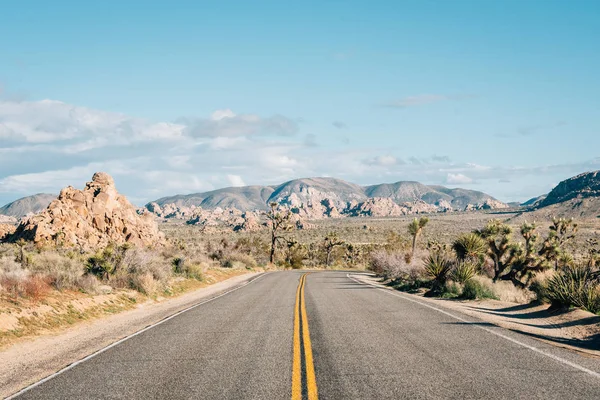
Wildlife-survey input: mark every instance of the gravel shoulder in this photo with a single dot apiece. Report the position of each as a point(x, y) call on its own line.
point(574, 329)
point(29, 361)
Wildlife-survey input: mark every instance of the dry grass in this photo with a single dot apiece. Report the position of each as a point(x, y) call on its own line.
point(506, 291)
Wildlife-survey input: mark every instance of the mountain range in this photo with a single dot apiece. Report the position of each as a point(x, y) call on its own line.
point(337, 191)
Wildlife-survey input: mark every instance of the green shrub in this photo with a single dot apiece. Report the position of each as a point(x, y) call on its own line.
point(474, 289)
point(451, 290)
point(575, 286)
point(464, 271)
point(438, 267)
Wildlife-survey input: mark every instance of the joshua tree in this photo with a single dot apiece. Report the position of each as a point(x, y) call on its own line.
point(331, 241)
point(280, 223)
point(562, 231)
point(500, 249)
point(415, 228)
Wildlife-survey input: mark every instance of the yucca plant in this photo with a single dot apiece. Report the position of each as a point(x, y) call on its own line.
point(575, 286)
point(464, 271)
point(469, 246)
point(438, 267)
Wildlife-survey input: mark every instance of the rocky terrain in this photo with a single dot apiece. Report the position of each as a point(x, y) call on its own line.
point(27, 205)
point(90, 218)
point(318, 198)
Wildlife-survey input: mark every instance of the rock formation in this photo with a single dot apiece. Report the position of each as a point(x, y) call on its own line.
point(90, 218)
point(5, 230)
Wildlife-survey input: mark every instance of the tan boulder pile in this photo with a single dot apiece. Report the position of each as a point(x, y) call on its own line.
point(5, 230)
point(90, 218)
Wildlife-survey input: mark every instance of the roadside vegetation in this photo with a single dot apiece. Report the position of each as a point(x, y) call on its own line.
point(497, 262)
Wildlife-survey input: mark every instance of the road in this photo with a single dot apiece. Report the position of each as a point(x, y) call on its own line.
point(325, 336)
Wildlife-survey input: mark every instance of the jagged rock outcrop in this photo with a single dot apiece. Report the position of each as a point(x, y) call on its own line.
point(489, 204)
point(90, 218)
point(376, 207)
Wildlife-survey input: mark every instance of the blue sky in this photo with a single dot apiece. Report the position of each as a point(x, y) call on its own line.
point(185, 96)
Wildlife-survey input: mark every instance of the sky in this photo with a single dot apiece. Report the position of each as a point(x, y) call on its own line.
point(174, 97)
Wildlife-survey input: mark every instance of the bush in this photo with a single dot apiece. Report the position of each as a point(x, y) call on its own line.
point(475, 289)
point(63, 273)
point(393, 265)
point(539, 286)
point(238, 259)
point(464, 271)
point(451, 290)
point(438, 267)
point(16, 281)
point(575, 286)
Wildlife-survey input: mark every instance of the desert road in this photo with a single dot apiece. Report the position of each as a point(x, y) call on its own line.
point(324, 335)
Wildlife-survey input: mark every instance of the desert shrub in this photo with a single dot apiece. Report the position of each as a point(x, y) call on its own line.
point(61, 272)
point(464, 271)
point(194, 271)
point(16, 281)
point(438, 267)
point(235, 260)
point(577, 286)
point(392, 265)
point(144, 283)
point(107, 261)
point(475, 289)
point(539, 286)
point(138, 266)
point(451, 290)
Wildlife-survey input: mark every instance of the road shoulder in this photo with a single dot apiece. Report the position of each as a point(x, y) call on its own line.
point(576, 329)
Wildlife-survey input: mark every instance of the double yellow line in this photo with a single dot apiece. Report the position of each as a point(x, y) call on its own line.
point(301, 321)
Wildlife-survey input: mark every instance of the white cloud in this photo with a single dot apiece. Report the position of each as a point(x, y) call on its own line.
point(235, 180)
point(458, 179)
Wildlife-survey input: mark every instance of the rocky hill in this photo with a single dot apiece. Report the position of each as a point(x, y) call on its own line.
point(580, 186)
point(242, 198)
point(314, 198)
point(90, 218)
point(577, 197)
point(27, 205)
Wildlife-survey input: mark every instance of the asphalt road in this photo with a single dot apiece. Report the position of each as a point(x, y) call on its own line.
point(261, 341)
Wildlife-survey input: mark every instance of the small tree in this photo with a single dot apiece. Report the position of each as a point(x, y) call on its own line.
point(415, 228)
point(280, 223)
point(500, 248)
point(331, 242)
point(562, 231)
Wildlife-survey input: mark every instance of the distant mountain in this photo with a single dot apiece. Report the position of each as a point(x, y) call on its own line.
point(576, 197)
point(27, 205)
point(580, 186)
point(242, 198)
point(339, 193)
point(533, 201)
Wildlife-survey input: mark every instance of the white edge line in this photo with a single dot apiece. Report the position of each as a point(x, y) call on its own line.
point(475, 324)
point(118, 342)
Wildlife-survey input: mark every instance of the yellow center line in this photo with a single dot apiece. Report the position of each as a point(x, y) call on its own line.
point(296, 363)
point(311, 381)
